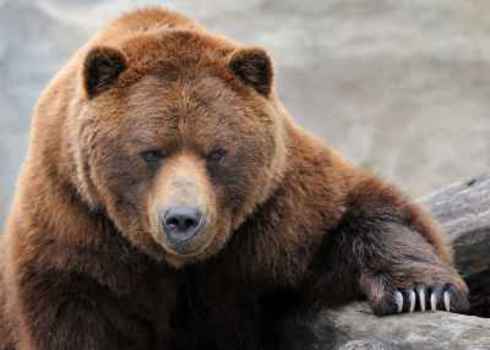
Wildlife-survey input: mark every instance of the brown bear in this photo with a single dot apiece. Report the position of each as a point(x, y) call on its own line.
point(169, 201)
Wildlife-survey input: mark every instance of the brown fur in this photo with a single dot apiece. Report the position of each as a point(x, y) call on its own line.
point(290, 224)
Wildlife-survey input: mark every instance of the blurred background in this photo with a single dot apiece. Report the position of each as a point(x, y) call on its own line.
point(399, 86)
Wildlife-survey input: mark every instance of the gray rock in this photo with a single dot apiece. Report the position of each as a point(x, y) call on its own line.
point(428, 331)
point(463, 209)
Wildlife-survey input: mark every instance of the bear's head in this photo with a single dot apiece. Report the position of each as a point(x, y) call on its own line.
point(180, 137)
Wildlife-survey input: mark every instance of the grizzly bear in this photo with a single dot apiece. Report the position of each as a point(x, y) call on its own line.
point(169, 201)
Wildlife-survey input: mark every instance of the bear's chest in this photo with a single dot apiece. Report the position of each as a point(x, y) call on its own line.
point(219, 311)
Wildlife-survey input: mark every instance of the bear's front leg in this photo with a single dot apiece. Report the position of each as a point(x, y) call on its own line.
point(400, 272)
point(60, 310)
point(389, 251)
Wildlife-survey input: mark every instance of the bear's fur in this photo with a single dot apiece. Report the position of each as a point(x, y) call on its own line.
point(156, 112)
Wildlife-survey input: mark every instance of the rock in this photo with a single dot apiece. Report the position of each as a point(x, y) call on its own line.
point(360, 329)
point(463, 210)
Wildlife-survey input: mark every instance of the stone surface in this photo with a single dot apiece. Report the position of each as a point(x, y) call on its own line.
point(358, 328)
point(398, 86)
point(463, 209)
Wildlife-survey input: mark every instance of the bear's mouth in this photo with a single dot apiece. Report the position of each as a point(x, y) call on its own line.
point(178, 259)
point(191, 249)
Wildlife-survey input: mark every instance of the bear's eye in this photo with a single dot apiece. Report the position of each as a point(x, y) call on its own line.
point(153, 157)
point(217, 155)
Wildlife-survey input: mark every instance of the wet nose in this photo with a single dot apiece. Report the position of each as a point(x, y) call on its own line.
point(182, 223)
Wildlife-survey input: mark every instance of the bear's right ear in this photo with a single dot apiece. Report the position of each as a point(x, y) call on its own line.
point(101, 68)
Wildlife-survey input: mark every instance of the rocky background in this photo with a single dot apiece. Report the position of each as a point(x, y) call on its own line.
point(399, 86)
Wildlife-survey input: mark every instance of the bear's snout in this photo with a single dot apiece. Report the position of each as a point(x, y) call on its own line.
point(183, 208)
point(181, 224)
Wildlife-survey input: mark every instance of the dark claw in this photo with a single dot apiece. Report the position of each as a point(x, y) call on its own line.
point(435, 298)
point(446, 297)
point(421, 297)
point(454, 299)
point(399, 301)
point(412, 298)
point(409, 300)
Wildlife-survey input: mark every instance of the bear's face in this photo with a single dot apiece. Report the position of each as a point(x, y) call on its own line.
point(178, 156)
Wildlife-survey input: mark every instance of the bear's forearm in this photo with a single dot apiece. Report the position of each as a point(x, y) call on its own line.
point(373, 204)
point(387, 250)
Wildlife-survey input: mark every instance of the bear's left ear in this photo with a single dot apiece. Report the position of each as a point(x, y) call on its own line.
point(253, 67)
point(101, 68)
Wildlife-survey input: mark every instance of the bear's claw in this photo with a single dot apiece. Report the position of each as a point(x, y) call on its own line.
point(410, 300)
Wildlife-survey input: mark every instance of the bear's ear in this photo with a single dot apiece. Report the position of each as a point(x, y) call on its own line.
point(101, 68)
point(253, 67)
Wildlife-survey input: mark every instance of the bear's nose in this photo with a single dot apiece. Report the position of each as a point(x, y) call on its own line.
point(182, 223)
